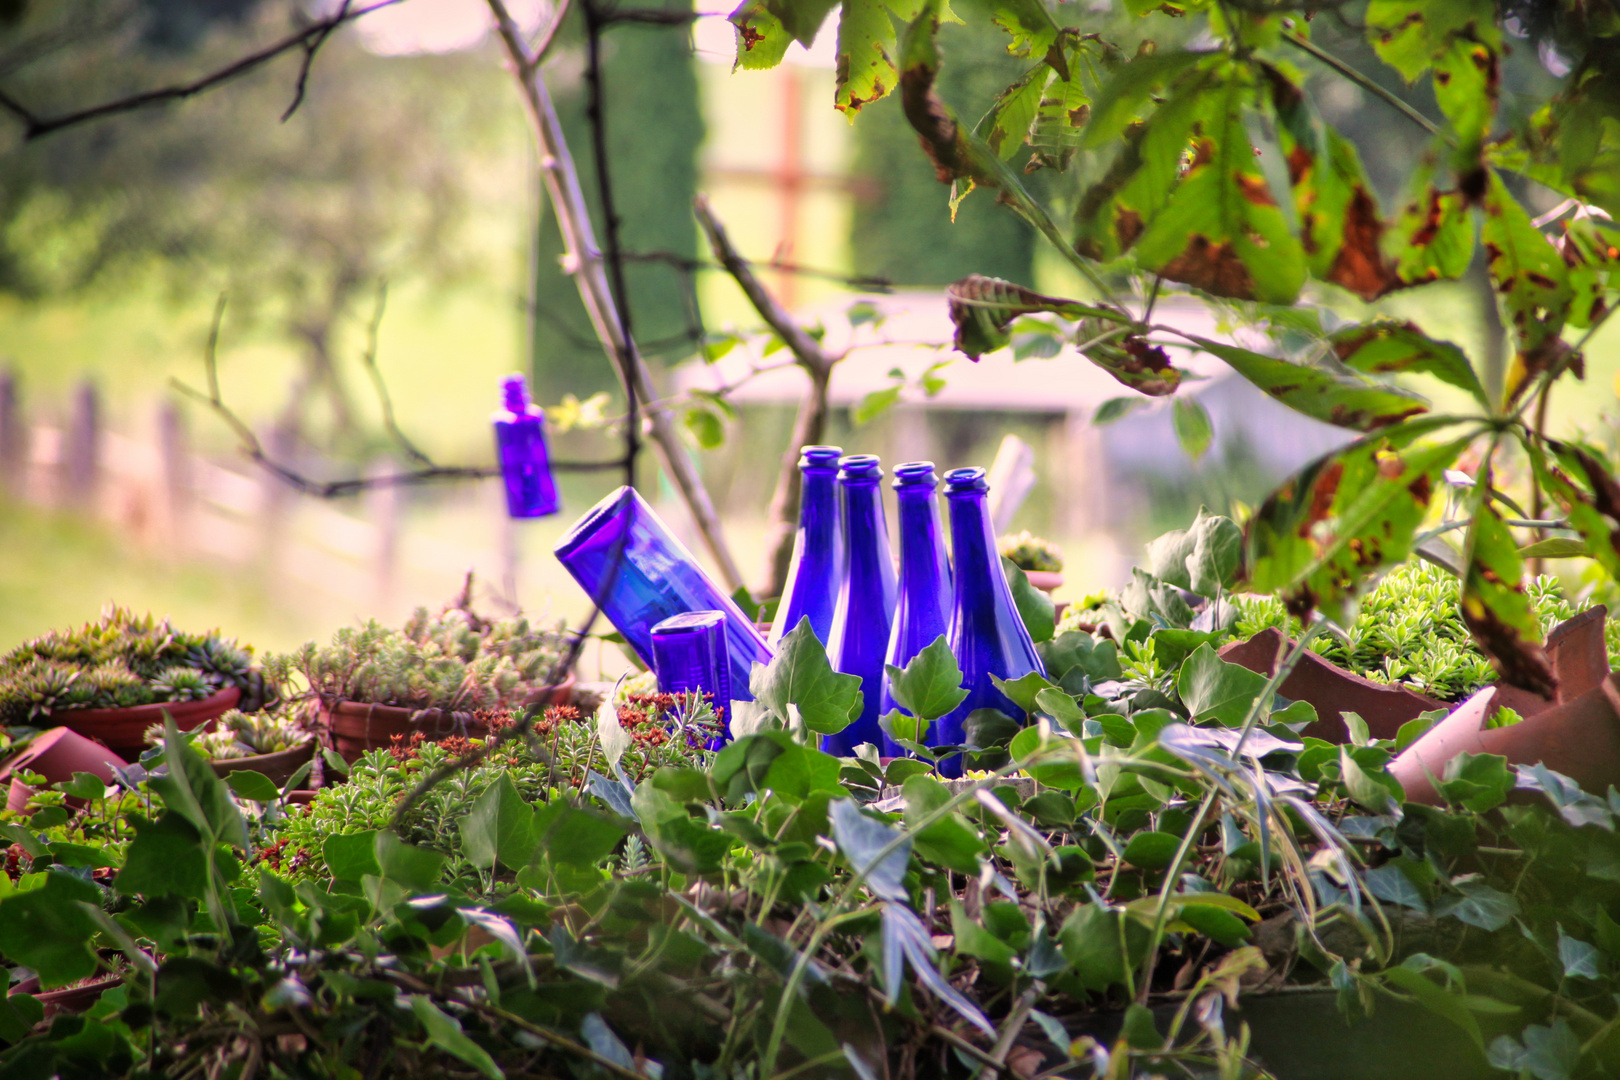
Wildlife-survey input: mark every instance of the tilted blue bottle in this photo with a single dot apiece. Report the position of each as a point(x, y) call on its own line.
point(923, 607)
point(629, 563)
point(520, 443)
point(817, 568)
point(987, 635)
point(860, 629)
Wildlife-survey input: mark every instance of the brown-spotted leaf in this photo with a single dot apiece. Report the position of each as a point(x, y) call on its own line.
point(1341, 397)
point(1432, 239)
point(1586, 489)
point(1497, 611)
point(867, 45)
point(1386, 347)
point(1132, 359)
point(1532, 280)
point(983, 307)
point(762, 40)
point(1324, 536)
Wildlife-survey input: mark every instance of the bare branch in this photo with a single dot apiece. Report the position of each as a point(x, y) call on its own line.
point(368, 360)
point(308, 39)
point(542, 45)
point(865, 282)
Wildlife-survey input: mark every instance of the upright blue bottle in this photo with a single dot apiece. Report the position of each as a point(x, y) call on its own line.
point(923, 609)
point(817, 569)
point(987, 635)
point(520, 443)
point(860, 629)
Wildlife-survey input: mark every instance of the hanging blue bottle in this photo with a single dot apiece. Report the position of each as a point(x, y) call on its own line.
point(817, 567)
point(520, 444)
point(923, 607)
point(987, 635)
point(865, 610)
point(634, 569)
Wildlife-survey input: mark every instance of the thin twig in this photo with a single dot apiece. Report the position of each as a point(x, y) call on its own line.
point(311, 46)
point(368, 360)
point(542, 45)
point(1369, 85)
point(309, 39)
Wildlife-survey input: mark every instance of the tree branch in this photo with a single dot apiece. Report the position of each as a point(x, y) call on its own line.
point(573, 220)
point(309, 39)
point(368, 360)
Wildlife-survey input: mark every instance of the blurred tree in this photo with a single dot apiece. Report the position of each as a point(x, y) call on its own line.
point(298, 220)
point(654, 124)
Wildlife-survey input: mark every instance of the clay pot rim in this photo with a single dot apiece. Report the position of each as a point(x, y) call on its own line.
point(227, 696)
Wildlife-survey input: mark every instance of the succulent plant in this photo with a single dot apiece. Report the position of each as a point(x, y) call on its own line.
point(239, 734)
point(1029, 552)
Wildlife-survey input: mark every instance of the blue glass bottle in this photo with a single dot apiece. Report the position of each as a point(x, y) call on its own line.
point(987, 635)
point(865, 610)
point(689, 654)
point(817, 567)
point(631, 566)
point(923, 608)
point(520, 444)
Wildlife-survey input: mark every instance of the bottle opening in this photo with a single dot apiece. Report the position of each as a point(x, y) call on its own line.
point(860, 467)
point(515, 394)
point(820, 456)
point(915, 474)
point(962, 481)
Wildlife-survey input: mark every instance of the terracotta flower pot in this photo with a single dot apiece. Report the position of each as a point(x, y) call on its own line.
point(69, 999)
point(357, 727)
point(1331, 689)
point(124, 730)
point(1045, 580)
point(57, 754)
point(278, 766)
point(557, 694)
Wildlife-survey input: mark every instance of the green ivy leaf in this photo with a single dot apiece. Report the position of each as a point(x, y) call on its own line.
point(930, 686)
point(444, 1031)
point(1203, 558)
point(254, 786)
point(351, 856)
point(1074, 656)
point(1116, 409)
point(1211, 688)
point(499, 825)
point(46, 929)
point(861, 838)
point(165, 857)
point(800, 675)
point(1034, 606)
point(950, 841)
point(193, 788)
point(416, 868)
point(1152, 850)
point(1099, 942)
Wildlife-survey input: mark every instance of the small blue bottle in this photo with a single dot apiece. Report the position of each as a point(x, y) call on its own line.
point(922, 610)
point(865, 611)
point(631, 566)
point(987, 635)
point(689, 654)
point(817, 569)
point(520, 444)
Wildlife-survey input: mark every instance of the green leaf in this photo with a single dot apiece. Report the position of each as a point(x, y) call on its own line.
point(1217, 924)
point(762, 40)
point(1102, 944)
point(975, 941)
point(1497, 610)
point(1074, 656)
point(1582, 483)
point(1479, 905)
point(1063, 708)
point(84, 785)
point(800, 675)
point(568, 836)
point(1579, 958)
point(866, 47)
point(1116, 409)
point(1023, 690)
point(982, 308)
point(254, 786)
point(930, 686)
point(499, 825)
point(860, 839)
point(168, 856)
point(416, 868)
point(1222, 230)
point(47, 930)
point(1480, 782)
point(1447, 1002)
point(1006, 126)
point(1370, 792)
point(1152, 850)
point(1323, 536)
point(1203, 558)
point(193, 788)
point(1556, 547)
point(705, 426)
point(1034, 606)
point(950, 841)
point(1194, 431)
point(875, 404)
point(1340, 397)
point(351, 856)
point(1532, 280)
point(800, 770)
point(444, 1031)
point(1213, 689)
point(1382, 348)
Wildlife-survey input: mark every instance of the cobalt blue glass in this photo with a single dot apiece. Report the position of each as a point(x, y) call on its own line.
point(922, 611)
point(987, 635)
point(689, 655)
point(860, 628)
point(520, 443)
point(630, 565)
point(817, 568)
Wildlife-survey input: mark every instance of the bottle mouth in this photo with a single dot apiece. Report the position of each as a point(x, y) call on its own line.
point(620, 501)
point(690, 622)
point(825, 457)
point(515, 393)
point(860, 467)
point(965, 481)
point(913, 474)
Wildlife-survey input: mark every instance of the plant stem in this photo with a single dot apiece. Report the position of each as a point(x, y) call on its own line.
point(1368, 85)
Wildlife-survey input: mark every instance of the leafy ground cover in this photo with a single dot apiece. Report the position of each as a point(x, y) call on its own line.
point(1149, 844)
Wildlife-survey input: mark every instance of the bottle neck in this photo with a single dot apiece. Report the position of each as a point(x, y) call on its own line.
point(864, 528)
point(971, 539)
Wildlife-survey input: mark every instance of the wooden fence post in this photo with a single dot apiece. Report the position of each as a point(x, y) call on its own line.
point(175, 471)
point(13, 436)
point(383, 511)
point(82, 446)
